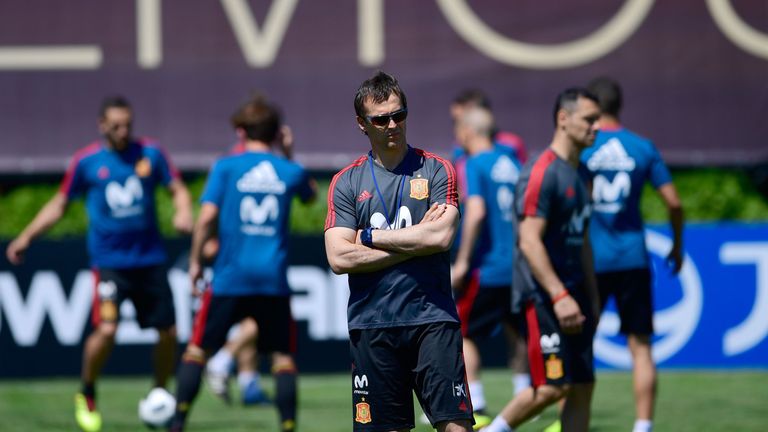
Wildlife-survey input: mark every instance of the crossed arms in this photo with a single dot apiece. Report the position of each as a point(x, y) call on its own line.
point(434, 234)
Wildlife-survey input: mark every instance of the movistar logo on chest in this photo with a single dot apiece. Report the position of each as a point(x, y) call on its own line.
point(609, 195)
point(505, 171)
point(579, 219)
point(254, 215)
point(611, 156)
point(261, 179)
point(124, 199)
point(404, 219)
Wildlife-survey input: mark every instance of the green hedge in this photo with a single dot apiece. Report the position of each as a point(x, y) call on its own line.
point(707, 195)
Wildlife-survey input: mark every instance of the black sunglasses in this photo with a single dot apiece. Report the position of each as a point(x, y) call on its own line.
point(383, 119)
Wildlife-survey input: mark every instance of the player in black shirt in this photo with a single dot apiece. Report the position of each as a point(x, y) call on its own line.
point(392, 215)
point(554, 281)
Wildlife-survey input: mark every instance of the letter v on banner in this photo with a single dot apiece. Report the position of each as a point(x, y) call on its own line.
point(259, 47)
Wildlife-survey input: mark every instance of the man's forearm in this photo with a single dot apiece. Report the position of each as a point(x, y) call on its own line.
point(202, 231)
point(51, 213)
point(425, 238)
point(536, 255)
point(182, 201)
point(356, 258)
point(470, 230)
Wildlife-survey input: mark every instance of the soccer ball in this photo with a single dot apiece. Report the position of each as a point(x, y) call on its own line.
point(157, 408)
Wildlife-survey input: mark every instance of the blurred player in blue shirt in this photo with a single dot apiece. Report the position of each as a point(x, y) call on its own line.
point(481, 275)
point(620, 163)
point(247, 201)
point(118, 176)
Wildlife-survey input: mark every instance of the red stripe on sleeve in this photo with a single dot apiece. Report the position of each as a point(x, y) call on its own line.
point(533, 188)
point(66, 183)
point(330, 218)
point(535, 356)
point(451, 195)
point(173, 171)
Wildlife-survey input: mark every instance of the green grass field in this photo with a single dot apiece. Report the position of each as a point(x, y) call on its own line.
point(688, 401)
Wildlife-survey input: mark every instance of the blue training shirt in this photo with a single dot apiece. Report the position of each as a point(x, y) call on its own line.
point(253, 192)
point(619, 164)
point(492, 175)
point(119, 190)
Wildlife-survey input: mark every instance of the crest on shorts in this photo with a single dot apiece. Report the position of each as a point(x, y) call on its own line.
point(108, 311)
point(143, 167)
point(362, 412)
point(554, 367)
point(419, 188)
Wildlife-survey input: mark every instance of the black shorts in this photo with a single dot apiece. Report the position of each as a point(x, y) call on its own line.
point(482, 309)
point(277, 330)
point(634, 301)
point(388, 364)
point(146, 287)
point(556, 358)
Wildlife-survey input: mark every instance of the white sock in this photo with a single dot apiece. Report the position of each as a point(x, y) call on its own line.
point(220, 363)
point(246, 377)
point(643, 426)
point(498, 425)
point(521, 381)
point(478, 397)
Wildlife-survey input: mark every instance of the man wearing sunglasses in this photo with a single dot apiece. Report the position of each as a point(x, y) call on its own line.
point(392, 216)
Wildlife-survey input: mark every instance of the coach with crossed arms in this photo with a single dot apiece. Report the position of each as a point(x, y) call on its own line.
point(392, 215)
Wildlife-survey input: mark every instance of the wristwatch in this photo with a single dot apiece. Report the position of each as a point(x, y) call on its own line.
point(366, 237)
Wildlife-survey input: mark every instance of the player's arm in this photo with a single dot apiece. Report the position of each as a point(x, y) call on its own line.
point(347, 255)
point(284, 141)
point(204, 229)
point(474, 214)
point(531, 233)
point(668, 194)
point(590, 280)
point(432, 235)
point(182, 204)
point(51, 213)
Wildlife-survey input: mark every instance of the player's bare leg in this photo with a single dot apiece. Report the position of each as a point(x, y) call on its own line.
point(471, 360)
point(517, 351)
point(644, 376)
point(576, 410)
point(526, 405)
point(164, 355)
point(455, 426)
point(98, 346)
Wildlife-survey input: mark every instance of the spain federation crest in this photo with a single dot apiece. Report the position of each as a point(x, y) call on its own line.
point(143, 167)
point(419, 188)
point(362, 413)
point(554, 367)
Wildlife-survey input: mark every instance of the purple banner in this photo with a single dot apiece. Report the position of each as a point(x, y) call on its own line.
point(695, 73)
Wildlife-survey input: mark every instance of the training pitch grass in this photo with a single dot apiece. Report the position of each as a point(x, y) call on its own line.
point(688, 401)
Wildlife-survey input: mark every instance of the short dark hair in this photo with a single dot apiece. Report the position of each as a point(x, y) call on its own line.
point(258, 118)
point(474, 97)
point(378, 88)
point(567, 100)
point(608, 92)
point(113, 101)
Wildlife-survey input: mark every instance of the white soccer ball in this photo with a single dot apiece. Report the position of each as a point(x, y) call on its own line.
point(157, 408)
